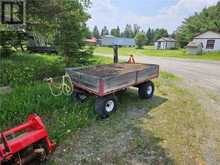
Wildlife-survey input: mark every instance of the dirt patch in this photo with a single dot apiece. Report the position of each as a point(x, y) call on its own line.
point(113, 141)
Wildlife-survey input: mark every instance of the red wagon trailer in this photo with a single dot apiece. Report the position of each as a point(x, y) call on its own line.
point(104, 81)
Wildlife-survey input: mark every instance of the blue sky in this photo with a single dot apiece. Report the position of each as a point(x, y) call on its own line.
point(147, 13)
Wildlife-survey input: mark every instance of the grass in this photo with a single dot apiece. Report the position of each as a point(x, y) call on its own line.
point(170, 128)
point(150, 51)
point(24, 69)
point(61, 114)
point(174, 118)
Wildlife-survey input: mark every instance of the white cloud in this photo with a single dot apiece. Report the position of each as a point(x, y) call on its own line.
point(103, 12)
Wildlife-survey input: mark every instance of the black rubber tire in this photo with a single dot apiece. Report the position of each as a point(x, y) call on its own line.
point(78, 96)
point(100, 106)
point(143, 88)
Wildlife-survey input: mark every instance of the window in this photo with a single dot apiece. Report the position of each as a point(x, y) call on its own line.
point(12, 12)
point(210, 44)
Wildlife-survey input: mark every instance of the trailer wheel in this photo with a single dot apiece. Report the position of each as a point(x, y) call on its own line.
point(106, 105)
point(79, 96)
point(146, 90)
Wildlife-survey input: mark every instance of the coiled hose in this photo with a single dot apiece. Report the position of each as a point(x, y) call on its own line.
point(65, 87)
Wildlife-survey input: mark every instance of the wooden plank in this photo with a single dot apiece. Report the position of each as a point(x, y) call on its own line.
point(114, 76)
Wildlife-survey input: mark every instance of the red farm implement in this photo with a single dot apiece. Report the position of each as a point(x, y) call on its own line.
point(25, 142)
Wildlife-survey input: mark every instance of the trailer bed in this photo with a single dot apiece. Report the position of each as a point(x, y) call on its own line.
point(105, 79)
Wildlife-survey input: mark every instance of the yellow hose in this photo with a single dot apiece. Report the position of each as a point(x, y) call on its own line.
point(65, 87)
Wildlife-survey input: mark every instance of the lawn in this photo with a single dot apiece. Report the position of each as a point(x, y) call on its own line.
point(150, 51)
point(170, 127)
point(30, 94)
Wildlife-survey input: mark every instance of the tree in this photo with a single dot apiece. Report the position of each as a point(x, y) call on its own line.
point(140, 40)
point(118, 32)
point(114, 32)
point(150, 36)
point(136, 29)
point(128, 32)
point(71, 31)
point(105, 31)
point(158, 33)
point(207, 19)
point(95, 32)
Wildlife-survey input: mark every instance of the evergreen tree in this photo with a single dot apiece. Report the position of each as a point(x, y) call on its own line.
point(149, 36)
point(128, 32)
point(136, 29)
point(118, 32)
point(105, 31)
point(114, 32)
point(95, 32)
point(158, 33)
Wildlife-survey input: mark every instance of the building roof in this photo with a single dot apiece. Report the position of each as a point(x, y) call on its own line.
point(108, 36)
point(208, 35)
point(91, 40)
point(166, 39)
point(194, 44)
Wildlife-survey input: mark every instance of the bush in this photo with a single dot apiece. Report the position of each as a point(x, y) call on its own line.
point(25, 69)
point(5, 52)
point(140, 40)
point(60, 114)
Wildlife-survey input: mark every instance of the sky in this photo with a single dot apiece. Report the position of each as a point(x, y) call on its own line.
point(167, 14)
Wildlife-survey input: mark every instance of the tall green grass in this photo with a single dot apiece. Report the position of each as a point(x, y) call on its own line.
point(61, 115)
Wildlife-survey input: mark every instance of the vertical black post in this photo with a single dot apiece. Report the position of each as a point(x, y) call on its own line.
point(115, 48)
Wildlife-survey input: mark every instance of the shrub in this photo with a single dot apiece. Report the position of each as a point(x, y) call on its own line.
point(140, 40)
point(5, 52)
point(60, 114)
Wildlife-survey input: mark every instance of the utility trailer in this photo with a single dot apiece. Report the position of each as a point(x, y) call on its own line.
point(104, 81)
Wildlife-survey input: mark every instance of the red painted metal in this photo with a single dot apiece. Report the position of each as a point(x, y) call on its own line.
point(131, 60)
point(101, 87)
point(19, 138)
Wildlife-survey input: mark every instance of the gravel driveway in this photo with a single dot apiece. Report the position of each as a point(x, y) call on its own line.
point(201, 73)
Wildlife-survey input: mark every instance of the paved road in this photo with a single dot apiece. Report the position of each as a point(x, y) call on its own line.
point(201, 73)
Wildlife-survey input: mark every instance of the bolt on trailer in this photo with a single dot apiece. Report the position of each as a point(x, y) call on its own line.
point(104, 81)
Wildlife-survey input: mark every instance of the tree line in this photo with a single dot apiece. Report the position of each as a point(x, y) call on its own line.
point(131, 31)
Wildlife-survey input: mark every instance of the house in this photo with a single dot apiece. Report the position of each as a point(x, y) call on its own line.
point(165, 43)
point(109, 40)
point(210, 41)
point(91, 41)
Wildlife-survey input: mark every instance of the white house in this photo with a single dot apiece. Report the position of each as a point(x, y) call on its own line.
point(165, 43)
point(209, 40)
point(110, 40)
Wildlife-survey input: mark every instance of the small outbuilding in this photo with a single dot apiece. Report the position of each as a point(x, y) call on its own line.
point(210, 41)
point(165, 43)
point(194, 48)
